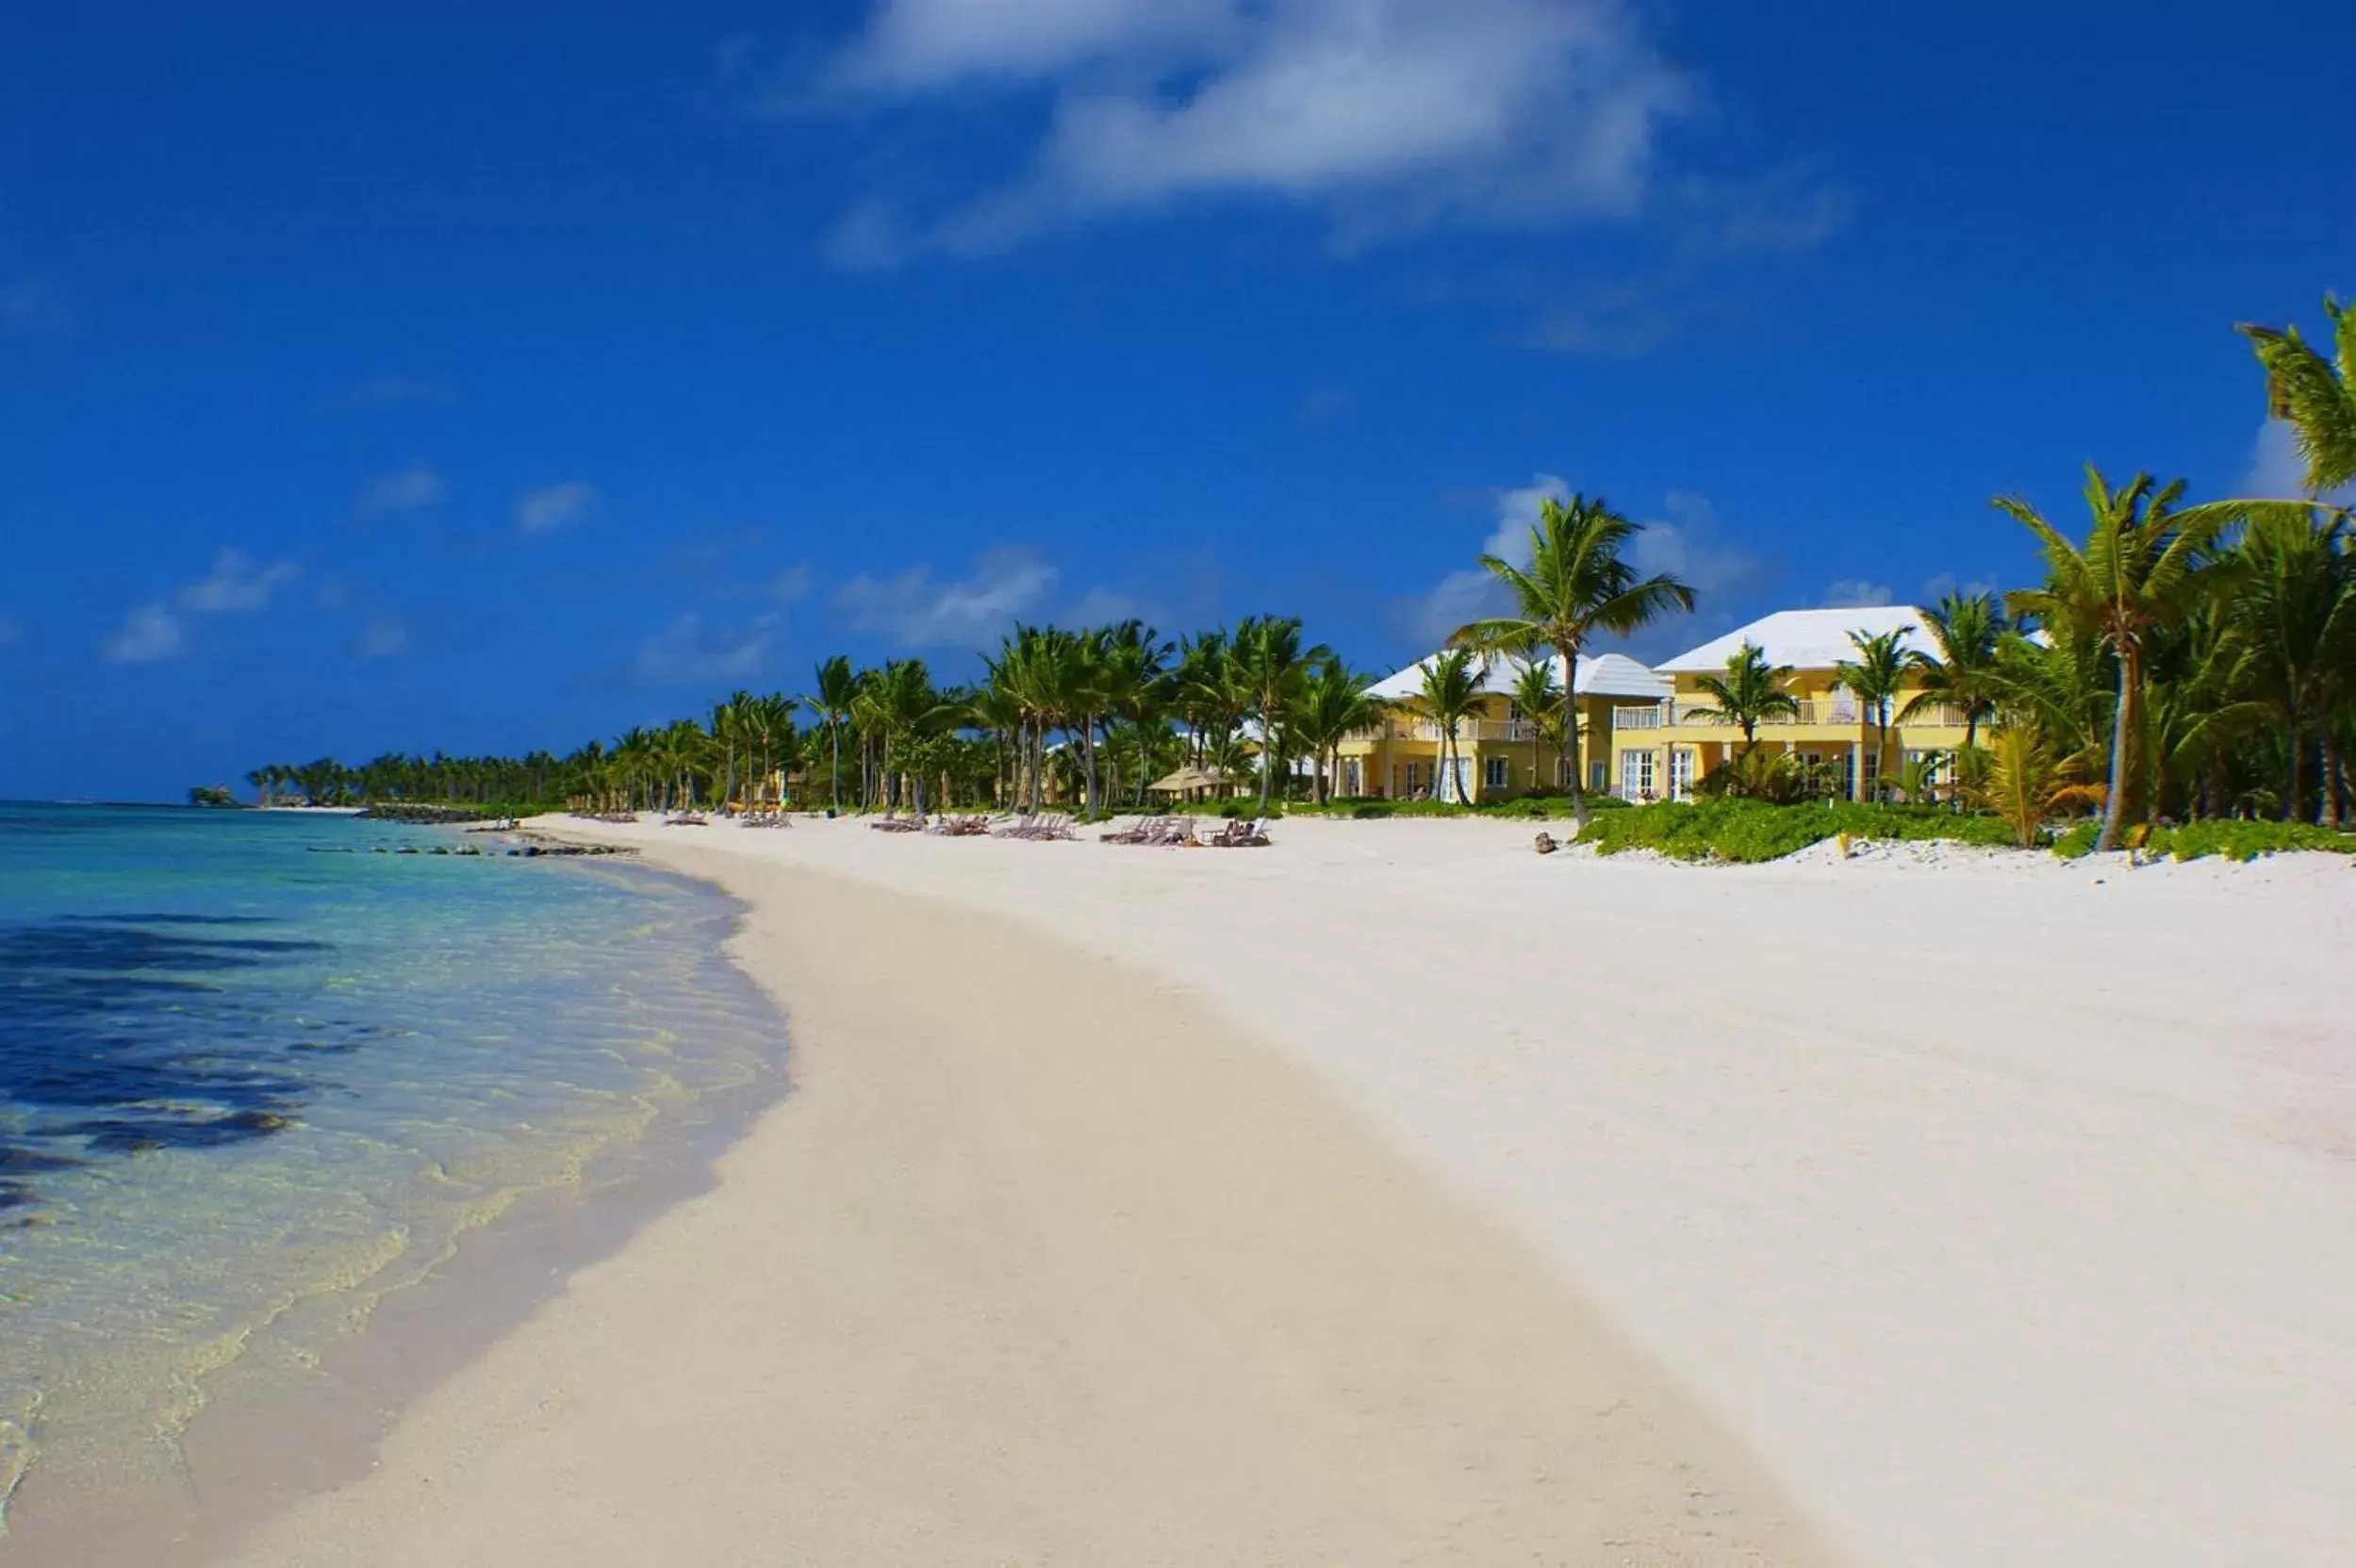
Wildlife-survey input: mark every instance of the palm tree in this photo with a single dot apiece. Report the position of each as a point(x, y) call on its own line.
point(1750, 693)
point(2197, 716)
point(908, 712)
point(2024, 783)
point(1134, 683)
point(1455, 681)
point(2138, 571)
point(730, 724)
point(1206, 690)
point(1535, 693)
point(1089, 699)
point(2294, 602)
point(1576, 585)
point(1271, 667)
point(2315, 394)
point(1963, 675)
point(1874, 677)
point(1333, 707)
point(829, 702)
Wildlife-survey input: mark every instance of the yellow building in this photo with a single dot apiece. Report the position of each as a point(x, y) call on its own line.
point(1499, 753)
point(1662, 749)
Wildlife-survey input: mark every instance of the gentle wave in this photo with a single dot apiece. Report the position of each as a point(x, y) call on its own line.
point(248, 1088)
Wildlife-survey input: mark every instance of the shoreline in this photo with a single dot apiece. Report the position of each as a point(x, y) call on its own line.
point(991, 1285)
point(1867, 1273)
point(262, 1438)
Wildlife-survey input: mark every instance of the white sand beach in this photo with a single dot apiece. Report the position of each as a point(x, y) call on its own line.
point(1395, 1195)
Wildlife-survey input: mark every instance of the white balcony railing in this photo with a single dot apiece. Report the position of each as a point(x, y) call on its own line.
point(1408, 727)
point(1807, 711)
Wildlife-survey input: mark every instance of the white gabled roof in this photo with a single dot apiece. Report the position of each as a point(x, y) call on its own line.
point(1808, 639)
point(1600, 675)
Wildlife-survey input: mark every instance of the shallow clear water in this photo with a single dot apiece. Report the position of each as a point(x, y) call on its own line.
point(249, 1068)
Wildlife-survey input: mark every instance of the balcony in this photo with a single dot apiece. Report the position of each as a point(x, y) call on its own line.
point(1406, 727)
point(1699, 715)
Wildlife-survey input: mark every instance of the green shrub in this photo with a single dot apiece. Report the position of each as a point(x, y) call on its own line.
point(2235, 838)
point(1748, 831)
point(2247, 840)
point(2078, 842)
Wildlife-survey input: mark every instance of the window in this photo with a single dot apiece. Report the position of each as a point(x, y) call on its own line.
point(1496, 775)
point(1635, 775)
point(1598, 774)
point(1681, 772)
point(1353, 778)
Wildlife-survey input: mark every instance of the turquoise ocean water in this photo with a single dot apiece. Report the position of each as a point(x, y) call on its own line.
point(258, 1070)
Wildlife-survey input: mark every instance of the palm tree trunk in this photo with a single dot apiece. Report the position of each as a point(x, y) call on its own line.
point(2291, 788)
point(1267, 757)
point(2335, 779)
point(2127, 721)
point(1088, 749)
point(1571, 733)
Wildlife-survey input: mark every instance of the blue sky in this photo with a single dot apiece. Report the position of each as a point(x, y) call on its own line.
point(391, 377)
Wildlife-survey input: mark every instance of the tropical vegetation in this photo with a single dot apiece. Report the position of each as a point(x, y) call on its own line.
point(2174, 665)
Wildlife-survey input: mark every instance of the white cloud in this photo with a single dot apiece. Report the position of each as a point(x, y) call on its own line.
point(1937, 588)
point(2278, 472)
point(917, 612)
point(793, 582)
point(383, 637)
point(1387, 115)
point(1851, 593)
point(1102, 607)
point(914, 44)
point(412, 489)
point(237, 585)
point(554, 507)
point(1687, 545)
point(1473, 592)
point(2275, 468)
point(688, 653)
point(31, 308)
point(149, 632)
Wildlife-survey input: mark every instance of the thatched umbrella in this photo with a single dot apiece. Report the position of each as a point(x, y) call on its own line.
point(1187, 780)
